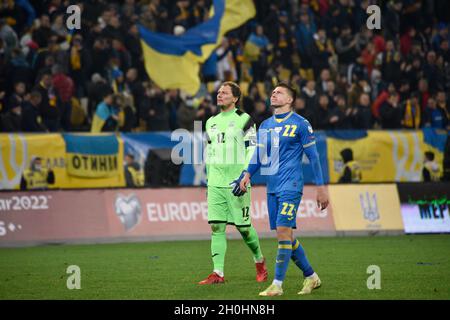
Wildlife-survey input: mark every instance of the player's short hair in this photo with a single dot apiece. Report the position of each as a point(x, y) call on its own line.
point(235, 89)
point(291, 91)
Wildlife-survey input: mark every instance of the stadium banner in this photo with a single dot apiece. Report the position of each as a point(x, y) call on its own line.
point(429, 218)
point(52, 216)
point(365, 207)
point(385, 156)
point(17, 151)
point(184, 211)
point(180, 213)
point(92, 156)
point(425, 207)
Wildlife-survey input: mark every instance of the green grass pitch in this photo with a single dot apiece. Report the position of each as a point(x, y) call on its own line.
point(412, 267)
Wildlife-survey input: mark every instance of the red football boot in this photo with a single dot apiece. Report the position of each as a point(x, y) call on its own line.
point(213, 278)
point(261, 271)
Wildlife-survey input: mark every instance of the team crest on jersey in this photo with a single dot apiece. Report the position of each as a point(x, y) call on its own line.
point(276, 141)
point(232, 124)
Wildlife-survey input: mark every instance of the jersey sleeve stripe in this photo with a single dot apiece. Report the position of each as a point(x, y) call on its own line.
point(249, 124)
point(309, 144)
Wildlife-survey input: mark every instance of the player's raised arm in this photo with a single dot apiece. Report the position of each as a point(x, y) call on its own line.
point(309, 145)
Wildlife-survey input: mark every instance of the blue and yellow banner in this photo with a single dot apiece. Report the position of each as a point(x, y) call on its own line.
point(385, 156)
point(91, 156)
point(96, 160)
point(90, 163)
point(17, 150)
point(173, 62)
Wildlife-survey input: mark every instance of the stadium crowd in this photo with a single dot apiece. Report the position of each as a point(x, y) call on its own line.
point(347, 76)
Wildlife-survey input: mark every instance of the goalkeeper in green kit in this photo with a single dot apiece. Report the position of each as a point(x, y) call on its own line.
point(231, 142)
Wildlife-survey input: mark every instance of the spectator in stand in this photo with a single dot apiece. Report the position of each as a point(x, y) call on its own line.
point(106, 117)
point(322, 84)
point(205, 110)
point(431, 71)
point(49, 109)
point(340, 117)
point(261, 113)
point(80, 64)
point(96, 90)
point(64, 90)
point(346, 48)
point(283, 40)
point(323, 113)
point(441, 36)
point(304, 36)
point(18, 95)
point(391, 113)
point(361, 114)
point(11, 120)
point(323, 50)
point(154, 111)
point(434, 116)
point(412, 112)
point(424, 93)
point(390, 63)
point(31, 114)
point(444, 51)
point(42, 33)
point(310, 95)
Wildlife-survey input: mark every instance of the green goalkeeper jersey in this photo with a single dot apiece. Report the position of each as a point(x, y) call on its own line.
point(231, 142)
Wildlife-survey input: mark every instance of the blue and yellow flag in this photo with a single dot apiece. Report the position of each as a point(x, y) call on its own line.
point(92, 156)
point(173, 62)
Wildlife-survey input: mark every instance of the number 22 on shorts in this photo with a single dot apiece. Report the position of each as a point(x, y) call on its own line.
point(290, 211)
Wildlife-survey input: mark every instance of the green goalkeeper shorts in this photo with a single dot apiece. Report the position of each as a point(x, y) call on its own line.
point(224, 207)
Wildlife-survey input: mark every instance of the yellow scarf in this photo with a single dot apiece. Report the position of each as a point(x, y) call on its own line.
point(75, 59)
point(411, 120)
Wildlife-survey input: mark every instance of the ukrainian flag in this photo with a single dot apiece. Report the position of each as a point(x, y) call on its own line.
point(173, 62)
point(92, 156)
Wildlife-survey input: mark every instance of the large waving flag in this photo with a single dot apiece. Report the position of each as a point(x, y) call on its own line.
point(173, 62)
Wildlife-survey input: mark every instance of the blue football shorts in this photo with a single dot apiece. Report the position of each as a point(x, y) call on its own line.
point(283, 208)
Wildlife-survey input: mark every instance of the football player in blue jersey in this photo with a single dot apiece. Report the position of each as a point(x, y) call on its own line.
point(282, 140)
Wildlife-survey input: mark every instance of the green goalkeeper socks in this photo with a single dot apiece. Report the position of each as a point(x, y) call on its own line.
point(218, 246)
point(252, 241)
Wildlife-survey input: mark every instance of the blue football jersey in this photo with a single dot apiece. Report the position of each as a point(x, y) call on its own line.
point(283, 141)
